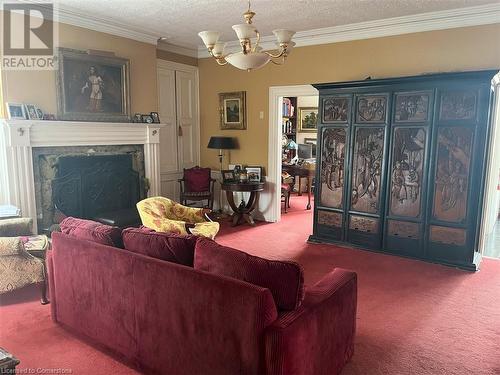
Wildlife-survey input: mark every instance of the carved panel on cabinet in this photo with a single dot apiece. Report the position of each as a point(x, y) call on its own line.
point(449, 236)
point(403, 229)
point(412, 107)
point(452, 173)
point(371, 109)
point(332, 167)
point(363, 224)
point(331, 219)
point(366, 169)
point(406, 171)
point(336, 109)
point(458, 105)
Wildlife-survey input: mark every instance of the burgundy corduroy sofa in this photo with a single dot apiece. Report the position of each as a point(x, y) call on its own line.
point(165, 305)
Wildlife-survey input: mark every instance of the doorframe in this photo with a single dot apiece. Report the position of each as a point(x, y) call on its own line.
point(491, 175)
point(276, 94)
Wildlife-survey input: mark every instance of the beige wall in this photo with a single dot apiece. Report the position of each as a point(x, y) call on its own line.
point(472, 48)
point(39, 87)
point(175, 57)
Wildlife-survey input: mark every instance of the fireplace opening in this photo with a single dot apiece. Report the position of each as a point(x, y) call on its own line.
point(102, 185)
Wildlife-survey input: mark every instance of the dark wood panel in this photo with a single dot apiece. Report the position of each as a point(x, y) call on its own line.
point(371, 109)
point(449, 236)
point(451, 181)
point(458, 105)
point(366, 169)
point(332, 170)
point(336, 110)
point(331, 219)
point(408, 152)
point(412, 107)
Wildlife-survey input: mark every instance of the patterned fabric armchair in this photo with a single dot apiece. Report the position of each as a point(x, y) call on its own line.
point(164, 215)
point(17, 267)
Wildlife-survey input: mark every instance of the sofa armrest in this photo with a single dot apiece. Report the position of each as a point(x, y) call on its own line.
point(318, 337)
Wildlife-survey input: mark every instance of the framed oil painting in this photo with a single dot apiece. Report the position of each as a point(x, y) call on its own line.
point(92, 87)
point(233, 110)
point(308, 119)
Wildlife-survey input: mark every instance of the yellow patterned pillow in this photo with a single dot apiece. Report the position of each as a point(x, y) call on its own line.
point(207, 229)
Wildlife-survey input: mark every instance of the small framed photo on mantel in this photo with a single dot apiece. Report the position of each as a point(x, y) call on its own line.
point(232, 106)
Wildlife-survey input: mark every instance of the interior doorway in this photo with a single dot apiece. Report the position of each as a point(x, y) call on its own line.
point(489, 241)
point(298, 129)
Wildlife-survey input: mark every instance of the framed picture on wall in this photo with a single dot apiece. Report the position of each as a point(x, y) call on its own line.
point(92, 87)
point(308, 119)
point(232, 106)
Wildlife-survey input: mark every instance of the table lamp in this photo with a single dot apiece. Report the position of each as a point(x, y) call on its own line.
point(222, 143)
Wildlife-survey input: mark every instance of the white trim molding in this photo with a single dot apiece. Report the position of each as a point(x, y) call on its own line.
point(440, 20)
point(276, 94)
point(21, 136)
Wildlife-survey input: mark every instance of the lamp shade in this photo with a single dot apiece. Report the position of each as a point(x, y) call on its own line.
point(222, 143)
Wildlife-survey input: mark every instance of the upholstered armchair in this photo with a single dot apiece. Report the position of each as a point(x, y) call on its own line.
point(197, 185)
point(164, 215)
point(17, 267)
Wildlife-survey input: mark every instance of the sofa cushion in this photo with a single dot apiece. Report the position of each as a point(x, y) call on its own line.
point(284, 279)
point(166, 246)
point(92, 231)
point(197, 179)
point(11, 246)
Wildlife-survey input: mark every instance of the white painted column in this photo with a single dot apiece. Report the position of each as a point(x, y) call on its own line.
point(20, 170)
point(152, 160)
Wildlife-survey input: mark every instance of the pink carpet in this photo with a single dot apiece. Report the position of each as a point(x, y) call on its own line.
point(413, 317)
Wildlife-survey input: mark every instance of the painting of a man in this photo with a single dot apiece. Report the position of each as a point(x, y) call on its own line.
point(94, 85)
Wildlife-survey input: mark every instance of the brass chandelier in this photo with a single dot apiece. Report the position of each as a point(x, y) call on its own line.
point(251, 56)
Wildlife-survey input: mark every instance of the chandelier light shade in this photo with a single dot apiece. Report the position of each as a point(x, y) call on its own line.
point(251, 55)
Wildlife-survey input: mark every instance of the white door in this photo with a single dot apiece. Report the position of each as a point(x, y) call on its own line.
point(187, 119)
point(178, 110)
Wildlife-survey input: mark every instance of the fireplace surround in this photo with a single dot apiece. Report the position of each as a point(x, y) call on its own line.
point(22, 137)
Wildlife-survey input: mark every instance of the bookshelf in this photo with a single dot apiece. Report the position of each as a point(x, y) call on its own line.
point(289, 125)
point(289, 121)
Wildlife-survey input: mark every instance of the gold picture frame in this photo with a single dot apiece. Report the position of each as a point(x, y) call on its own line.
point(232, 106)
point(308, 119)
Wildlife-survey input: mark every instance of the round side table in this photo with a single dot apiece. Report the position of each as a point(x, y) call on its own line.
point(243, 210)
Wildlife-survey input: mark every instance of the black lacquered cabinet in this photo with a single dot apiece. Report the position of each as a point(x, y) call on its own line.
point(401, 165)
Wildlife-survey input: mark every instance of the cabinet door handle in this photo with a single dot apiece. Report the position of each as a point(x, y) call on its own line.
point(180, 131)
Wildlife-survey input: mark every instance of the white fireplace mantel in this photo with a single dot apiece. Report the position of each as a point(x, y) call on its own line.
point(21, 136)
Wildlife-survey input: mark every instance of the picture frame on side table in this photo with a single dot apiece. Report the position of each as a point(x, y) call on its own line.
point(254, 174)
point(232, 106)
point(92, 87)
point(16, 111)
point(228, 176)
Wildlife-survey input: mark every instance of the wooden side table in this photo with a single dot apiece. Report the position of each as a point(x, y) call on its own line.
point(37, 246)
point(243, 210)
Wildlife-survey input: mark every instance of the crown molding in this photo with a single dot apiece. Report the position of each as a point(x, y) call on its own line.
point(440, 20)
point(76, 18)
point(63, 14)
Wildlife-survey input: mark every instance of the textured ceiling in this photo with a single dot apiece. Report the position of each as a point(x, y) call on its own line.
point(181, 20)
